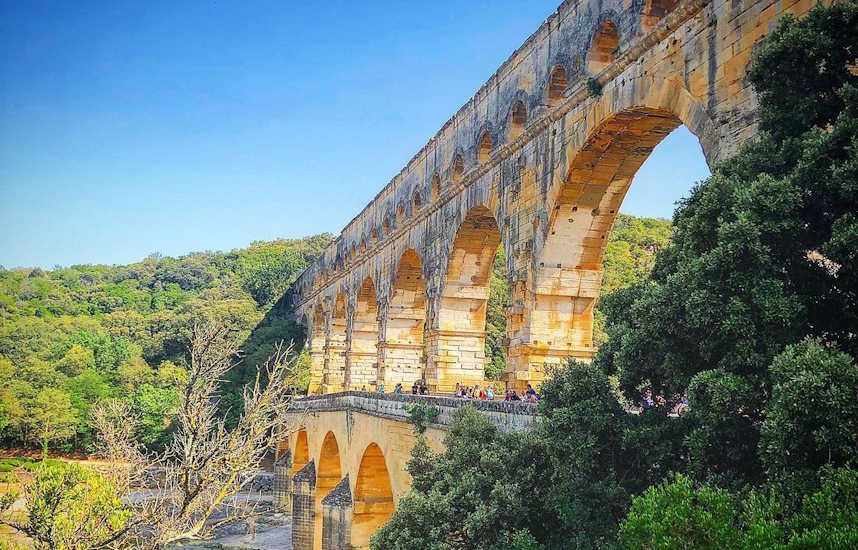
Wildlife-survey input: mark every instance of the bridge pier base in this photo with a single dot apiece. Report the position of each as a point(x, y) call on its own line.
point(337, 517)
point(283, 483)
point(455, 356)
point(304, 508)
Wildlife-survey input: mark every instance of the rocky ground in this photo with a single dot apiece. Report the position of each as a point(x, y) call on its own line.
point(270, 531)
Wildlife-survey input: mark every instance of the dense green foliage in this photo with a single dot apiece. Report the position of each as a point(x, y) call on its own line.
point(680, 515)
point(752, 312)
point(69, 506)
point(71, 336)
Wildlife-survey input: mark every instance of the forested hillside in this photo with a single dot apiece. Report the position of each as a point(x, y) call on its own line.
point(73, 335)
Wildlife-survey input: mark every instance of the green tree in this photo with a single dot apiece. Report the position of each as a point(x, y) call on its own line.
point(155, 408)
point(85, 390)
point(763, 254)
point(678, 514)
point(76, 360)
point(51, 417)
point(812, 418)
point(133, 373)
point(70, 507)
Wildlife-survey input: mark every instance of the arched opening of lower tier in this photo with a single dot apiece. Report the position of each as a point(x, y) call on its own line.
point(335, 352)
point(457, 345)
point(403, 345)
point(557, 318)
point(302, 452)
point(316, 343)
point(363, 354)
point(373, 497)
point(328, 474)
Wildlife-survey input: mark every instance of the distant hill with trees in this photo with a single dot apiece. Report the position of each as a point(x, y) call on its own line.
point(73, 335)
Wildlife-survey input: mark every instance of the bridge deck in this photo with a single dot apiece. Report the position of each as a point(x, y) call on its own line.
point(508, 416)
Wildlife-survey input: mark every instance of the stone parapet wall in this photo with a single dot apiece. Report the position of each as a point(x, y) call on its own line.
point(508, 416)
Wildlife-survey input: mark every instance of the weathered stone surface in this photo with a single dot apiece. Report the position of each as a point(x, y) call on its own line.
point(535, 163)
point(282, 487)
point(304, 508)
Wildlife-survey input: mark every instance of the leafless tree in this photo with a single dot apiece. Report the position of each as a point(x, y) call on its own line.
point(208, 462)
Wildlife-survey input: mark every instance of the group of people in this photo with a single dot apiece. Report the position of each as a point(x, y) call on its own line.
point(418, 388)
point(475, 392)
point(468, 392)
point(528, 396)
point(680, 402)
point(488, 393)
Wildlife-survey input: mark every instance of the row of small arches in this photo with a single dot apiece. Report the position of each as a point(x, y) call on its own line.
point(602, 52)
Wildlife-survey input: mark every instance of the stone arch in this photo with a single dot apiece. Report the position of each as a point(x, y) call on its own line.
point(301, 456)
point(602, 47)
point(558, 81)
point(517, 119)
point(373, 496)
point(400, 214)
point(556, 320)
point(435, 187)
point(484, 147)
point(457, 346)
point(403, 342)
point(328, 474)
point(458, 169)
point(416, 201)
point(363, 350)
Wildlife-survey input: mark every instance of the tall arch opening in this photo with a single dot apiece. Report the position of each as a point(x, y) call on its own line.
point(517, 120)
point(335, 356)
point(484, 148)
point(602, 48)
point(328, 474)
point(373, 498)
point(403, 358)
point(557, 320)
point(302, 452)
point(436, 187)
point(363, 355)
point(317, 341)
point(457, 346)
point(558, 81)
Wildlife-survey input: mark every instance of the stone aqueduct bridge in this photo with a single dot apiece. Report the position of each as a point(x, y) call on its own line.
point(341, 472)
point(538, 164)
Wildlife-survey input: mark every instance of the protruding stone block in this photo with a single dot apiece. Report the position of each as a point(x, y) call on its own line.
point(283, 483)
point(303, 507)
point(337, 517)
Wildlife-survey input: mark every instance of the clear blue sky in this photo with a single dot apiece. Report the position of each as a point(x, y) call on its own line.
point(133, 127)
